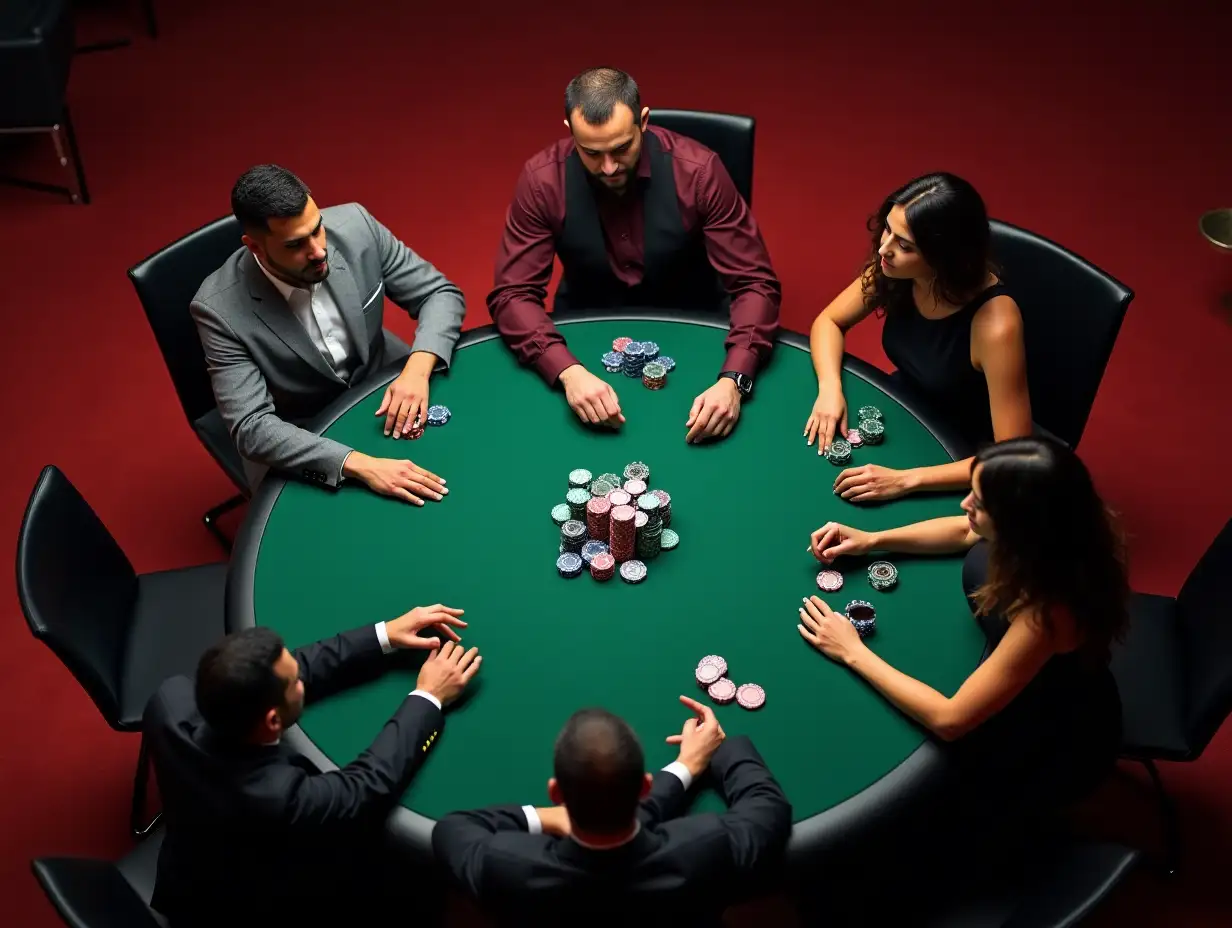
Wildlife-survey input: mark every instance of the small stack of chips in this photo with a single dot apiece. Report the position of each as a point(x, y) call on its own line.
point(569, 565)
point(613, 361)
point(649, 538)
point(882, 576)
point(634, 359)
point(577, 498)
point(665, 506)
point(635, 488)
point(669, 364)
point(829, 581)
point(603, 566)
point(863, 616)
point(619, 497)
point(751, 696)
point(650, 350)
point(439, 415)
point(600, 487)
point(591, 549)
point(624, 533)
point(632, 571)
point(572, 537)
point(580, 479)
point(561, 513)
point(598, 517)
point(612, 480)
point(854, 438)
point(621, 343)
point(654, 376)
point(707, 674)
point(839, 453)
point(637, 471)
point(871, 427)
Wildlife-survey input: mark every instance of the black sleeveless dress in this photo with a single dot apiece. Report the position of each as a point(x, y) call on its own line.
point(1054, 742)
point(934, 357)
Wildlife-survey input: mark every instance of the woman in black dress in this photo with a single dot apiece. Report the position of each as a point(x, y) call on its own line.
point(952, 330)
point(1038, 722)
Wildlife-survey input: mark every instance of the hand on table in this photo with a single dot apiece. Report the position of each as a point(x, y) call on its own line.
point(591, 398)
point(715, 412)
point(872, 481)
point(833, 539)
point(403, 479)
point(555, 821)
point(830, 633)
point(829, 414)
point(699, 739)
point(446, 672)
point(406, 399)
point(404, 631)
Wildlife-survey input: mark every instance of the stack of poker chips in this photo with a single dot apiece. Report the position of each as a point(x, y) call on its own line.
point(871, 427)
point(577, 498)
point(654, 376)
point(624, 533)
point(882, 576)
point(569, 565)
point(598, 517)
point(634, 359)
point(830, 581)
point(854, 438)
point(650, 535)
point(839, 453)
point(580, 479)
point(665, 506)
point(600, 487)
point(635, 488)
point(863, 616)
point(603, 566)
point(439, 415)
point(593, 549)
point(613, 362)
point(572, 537)
point(633, 571)
point(612, 480)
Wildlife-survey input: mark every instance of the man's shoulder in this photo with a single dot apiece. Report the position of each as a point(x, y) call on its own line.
point(546, 161)
point(229, 275)
point(687, 152)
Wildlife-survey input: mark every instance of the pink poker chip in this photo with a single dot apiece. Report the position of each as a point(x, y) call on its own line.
point(751, 696)
point(854, 438)
point(717, 661)
point(722, 691)
point(830, 581)
point(707, 674)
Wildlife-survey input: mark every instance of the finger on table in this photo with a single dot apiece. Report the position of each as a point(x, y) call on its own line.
point(467, 658)
point(412, 415)
point(449, 632)
point(425, 472)
point(472, 669)
point(700, 422)
point(400, 419)
point(389, 392)
point(693, 411)
point(829, 433)
point(408, 496)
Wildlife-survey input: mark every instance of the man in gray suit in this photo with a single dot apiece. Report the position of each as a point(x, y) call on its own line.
point(289, 322)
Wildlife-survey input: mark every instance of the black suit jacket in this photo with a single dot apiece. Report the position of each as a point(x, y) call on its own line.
point(254, 830)
point(676, 871)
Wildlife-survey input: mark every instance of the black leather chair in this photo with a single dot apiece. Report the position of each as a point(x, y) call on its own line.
point(1072, 312)
point(166, 282)
point(728, 136)
point(36, 50)
point(91, 893)
point(119, 633)
point(1174, 671)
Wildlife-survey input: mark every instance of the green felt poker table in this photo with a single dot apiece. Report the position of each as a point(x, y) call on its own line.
point(310, 563)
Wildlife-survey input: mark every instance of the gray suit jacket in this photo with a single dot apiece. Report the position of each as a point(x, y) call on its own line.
point(267, 374)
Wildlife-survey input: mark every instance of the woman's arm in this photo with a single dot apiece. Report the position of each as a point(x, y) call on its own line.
point(826, 334)
point(1019, 656)
point(946, 535)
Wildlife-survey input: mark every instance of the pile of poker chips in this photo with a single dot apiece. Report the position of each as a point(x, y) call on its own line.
point(870, 431)
point(711, 675)
point(638, 359)
point(863, 616)
point(882, 576)
point(613, 526)
point(437, 416)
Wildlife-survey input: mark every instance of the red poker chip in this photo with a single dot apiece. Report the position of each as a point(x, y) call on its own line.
point(416, 432)
point(620, 344)
point(722, 691)
point(619, 498)
point(830, 581)
point(707, 674)
point(751, 696)
point(717, 661)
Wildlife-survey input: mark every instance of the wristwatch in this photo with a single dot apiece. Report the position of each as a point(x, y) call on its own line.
point(744, 383)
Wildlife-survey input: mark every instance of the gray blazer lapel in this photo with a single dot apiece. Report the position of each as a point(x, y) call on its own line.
point(341, 285)
point(272, 309)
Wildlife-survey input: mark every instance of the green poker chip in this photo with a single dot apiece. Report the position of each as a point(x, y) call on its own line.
point(839, 453)
point(612, 480)
point(882, 575)
point(561, 513)
point(601, 487)
point(668, 540)
point(873, 431)
point(869, 412)
point(577, 498)
point(580, 478)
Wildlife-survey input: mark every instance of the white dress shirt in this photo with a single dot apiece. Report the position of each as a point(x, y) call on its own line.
point(535, 826)
point(316, 311)
point(382, 635)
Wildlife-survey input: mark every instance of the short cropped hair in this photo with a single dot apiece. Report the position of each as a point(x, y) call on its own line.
point(596, 91)
point(266, 192)
point(236, 682)
point(599, 768)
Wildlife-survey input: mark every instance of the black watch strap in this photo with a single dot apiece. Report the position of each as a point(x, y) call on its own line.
point(744, 383)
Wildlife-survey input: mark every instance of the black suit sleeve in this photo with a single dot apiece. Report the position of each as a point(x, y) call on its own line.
point(333, 664)
point(375, 780)
point(667, 800)
point(758, 817)
point(460, 841)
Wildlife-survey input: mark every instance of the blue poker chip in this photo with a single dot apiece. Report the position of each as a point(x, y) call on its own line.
point(569, 564)
point(650, 350)
point(634, 350)
point(667, 362)
point(439, 415)
point(591, 548)
point(613, 359)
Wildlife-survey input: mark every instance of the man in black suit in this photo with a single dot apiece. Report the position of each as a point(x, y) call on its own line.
point(616, 848)
point(254, 831)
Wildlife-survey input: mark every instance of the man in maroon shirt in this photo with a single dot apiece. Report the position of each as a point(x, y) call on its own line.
point(640, 217)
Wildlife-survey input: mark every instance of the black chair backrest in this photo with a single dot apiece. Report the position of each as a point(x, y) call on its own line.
point(1204, 624)
point(728, 136)
point(166, 282)
point(1072, 312)
point(36, 51)
point(91, 893)
point(76, 587)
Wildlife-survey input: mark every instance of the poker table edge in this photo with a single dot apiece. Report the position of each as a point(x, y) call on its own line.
point(830, 832)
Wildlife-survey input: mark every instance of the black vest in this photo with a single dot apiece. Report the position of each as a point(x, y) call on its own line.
point(678, 273)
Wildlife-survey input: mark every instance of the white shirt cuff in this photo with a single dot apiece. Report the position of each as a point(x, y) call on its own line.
point(681, 772)
point(382, 635)
point(428, 696)
point(533, 825)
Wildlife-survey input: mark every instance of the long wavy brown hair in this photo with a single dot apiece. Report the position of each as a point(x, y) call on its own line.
point(949, 224)
point(1056, 545)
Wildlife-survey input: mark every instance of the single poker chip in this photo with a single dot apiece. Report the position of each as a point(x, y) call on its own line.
point(751, 696)
point(668, 540)
point(569, 564)
point(633, 571)
point(869, 412)
point(873, 431)
point(637, 471)
point(600, 487)
point(668, 363)
point(620, 344)
point(717, 661)
point(882, 575)
point(706, 674)
point(439, 415)
point(573, 529)
point(854, 438)
point(863, 616)
point(613, 359)
point(415, 433)
point(580, 478)
point(561, 513)
point(613, 480)
point(722, 691)
point(830, 581)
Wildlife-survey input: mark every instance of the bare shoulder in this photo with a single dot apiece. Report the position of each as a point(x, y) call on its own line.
point(998, 322)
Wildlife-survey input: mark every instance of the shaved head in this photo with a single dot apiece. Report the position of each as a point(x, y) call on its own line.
point(600, 769)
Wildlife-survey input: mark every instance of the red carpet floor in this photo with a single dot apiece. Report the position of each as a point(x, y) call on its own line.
point(1106, 130)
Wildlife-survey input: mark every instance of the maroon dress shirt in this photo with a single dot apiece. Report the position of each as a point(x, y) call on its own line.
point(708, 201)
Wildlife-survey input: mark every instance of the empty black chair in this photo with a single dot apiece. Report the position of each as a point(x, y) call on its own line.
point(121, 635)
point(91, 893)
point(166, 282)
point(1072, 312)
point(1174, 671)
point(36, 50)
point(728, 136)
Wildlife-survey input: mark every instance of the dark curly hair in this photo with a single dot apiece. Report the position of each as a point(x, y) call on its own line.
point(1056, 545)
point(948, 220)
